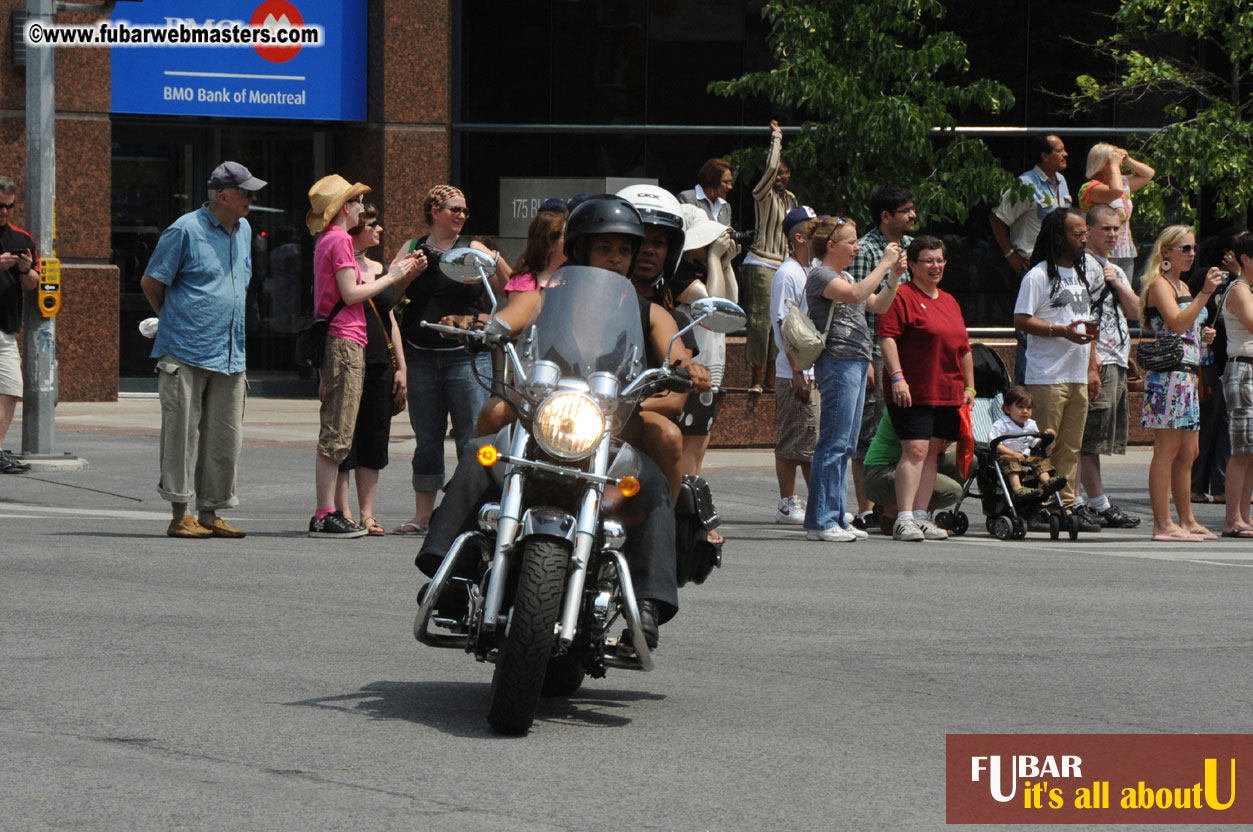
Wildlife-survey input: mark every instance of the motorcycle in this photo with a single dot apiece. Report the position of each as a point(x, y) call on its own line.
point(542, 587)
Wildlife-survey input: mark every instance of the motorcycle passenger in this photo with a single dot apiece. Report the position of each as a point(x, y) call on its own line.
point(654, 266)
point(603, 232)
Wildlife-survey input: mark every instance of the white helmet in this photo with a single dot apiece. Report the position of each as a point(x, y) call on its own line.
point(658, 207)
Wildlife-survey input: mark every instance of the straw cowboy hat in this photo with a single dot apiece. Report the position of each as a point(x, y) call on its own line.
point(327, 196)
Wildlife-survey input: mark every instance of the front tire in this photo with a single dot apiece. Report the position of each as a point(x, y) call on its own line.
point(528, 645)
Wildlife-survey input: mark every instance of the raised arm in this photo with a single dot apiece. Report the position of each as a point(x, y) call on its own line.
point(772, 162)
point(1162, 297)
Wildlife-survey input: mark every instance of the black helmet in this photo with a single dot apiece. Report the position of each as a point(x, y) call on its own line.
point(602, 214)
point(658, 207)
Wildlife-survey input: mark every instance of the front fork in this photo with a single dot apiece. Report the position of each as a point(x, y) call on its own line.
point(584, 537)
point(506, 532)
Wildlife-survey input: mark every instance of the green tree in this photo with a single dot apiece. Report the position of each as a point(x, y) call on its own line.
point(870, 79)
point(1196, 56)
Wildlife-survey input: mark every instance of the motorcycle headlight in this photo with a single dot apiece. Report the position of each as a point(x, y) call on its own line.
point(568, 425)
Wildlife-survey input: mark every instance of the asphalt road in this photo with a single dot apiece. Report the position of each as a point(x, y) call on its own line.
point(273, 683)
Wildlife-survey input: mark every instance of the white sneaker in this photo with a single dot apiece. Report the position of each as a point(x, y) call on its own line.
point(857, 533)
point(791, 511)
point(930, 530)
point(906, 529)
point(833, 535)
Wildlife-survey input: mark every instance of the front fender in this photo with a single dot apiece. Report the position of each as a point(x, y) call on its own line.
point(549, 522)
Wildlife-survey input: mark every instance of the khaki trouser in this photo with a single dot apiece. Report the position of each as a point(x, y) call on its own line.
point(759, 346)
point(202, 414)
point(1064, 408)
point(339, 386)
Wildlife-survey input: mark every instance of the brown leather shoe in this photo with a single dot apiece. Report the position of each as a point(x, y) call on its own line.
point(188, 526)
point(221, 528)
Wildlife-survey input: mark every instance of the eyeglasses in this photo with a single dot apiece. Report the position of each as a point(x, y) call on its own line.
point(459, 210)
point(909, 210)
point(8, 206)
point(372, 224)
point(359, 199)
point(1188, 249)
point(929, 263)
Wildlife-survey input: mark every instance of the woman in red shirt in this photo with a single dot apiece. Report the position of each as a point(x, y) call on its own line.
point(927, 361)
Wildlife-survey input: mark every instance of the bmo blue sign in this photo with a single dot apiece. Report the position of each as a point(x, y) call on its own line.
point(272, 59)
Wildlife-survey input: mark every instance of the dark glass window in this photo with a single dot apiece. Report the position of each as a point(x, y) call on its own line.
point(160, 172)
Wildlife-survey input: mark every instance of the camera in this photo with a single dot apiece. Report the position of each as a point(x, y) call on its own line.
point(432, 254)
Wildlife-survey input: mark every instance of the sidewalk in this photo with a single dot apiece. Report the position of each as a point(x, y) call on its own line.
point(274, 423)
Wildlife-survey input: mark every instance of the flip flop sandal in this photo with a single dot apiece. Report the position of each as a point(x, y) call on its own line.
point(1200, 498)
point(1245, 532)
point(372, 527)
point(1178, 537)
point(1204, 535)
point(410, 528)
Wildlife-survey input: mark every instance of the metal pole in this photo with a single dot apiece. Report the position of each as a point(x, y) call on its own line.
point(39, 361)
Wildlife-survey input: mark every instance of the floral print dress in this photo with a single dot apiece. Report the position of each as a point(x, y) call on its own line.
point(1172, 398)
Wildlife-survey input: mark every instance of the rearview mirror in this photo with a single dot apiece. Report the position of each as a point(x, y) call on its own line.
point(718, 315)
point(466, 265)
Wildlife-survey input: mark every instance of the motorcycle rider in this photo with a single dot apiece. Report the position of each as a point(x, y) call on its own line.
point(603, 232)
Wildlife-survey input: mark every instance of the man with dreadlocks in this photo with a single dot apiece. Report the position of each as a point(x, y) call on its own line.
point(1054, 311)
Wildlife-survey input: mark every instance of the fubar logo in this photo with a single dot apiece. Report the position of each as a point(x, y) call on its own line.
point(1021, 767)
point(1099, 778)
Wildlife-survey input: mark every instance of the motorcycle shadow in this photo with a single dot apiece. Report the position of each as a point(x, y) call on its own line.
point(460, 708)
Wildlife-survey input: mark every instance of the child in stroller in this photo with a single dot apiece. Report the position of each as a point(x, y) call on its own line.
point(1006, 513)
point(1016, 431)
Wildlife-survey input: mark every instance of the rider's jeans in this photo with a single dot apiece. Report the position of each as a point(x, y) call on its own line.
point(648, 519)
point(843, 388)
point(442, 384)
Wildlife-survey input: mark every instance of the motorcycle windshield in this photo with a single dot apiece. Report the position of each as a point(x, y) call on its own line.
point(589, 321)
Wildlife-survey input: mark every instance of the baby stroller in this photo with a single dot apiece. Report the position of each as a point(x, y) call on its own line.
point(1006, 517)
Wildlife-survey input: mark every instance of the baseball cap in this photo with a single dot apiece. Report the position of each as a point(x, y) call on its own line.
point(799, 214)
point(554, 204)
point(234, 175)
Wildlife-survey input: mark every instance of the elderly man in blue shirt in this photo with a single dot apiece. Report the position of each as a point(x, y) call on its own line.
point(197, 283)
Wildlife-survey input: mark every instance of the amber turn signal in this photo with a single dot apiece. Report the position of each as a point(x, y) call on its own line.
point(487, 456)
point(629, 486)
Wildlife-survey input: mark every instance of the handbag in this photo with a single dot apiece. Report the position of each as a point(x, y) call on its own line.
point(965, 440)
point(311, 341)
point(800, 338)
point(397, 407)
point(1161, 353)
